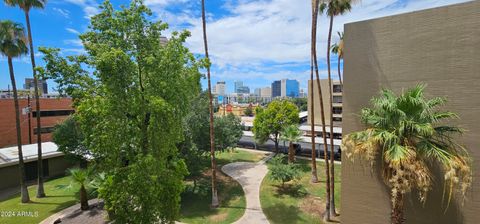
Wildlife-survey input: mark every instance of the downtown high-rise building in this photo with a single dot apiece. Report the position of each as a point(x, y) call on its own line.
point(30, 85)
point(286, 88)
point(237, 85)
point(219, 88)
point(257, 91)
point(276, 88)
point(266, 92)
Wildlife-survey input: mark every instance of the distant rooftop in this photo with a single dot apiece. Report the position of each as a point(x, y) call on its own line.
point(9, 155)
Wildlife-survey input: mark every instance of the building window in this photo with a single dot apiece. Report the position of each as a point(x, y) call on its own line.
point(337, 136)
point(337, 99)
point(53, 113)
point(44, 130)
point(338, 119)
point(337, 88)
point(337, 110)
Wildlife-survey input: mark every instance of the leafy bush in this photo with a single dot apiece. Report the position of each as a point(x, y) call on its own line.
point(282, 171)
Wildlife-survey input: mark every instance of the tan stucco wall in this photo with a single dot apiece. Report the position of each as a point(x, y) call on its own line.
point(439, 47)
point(316, 100)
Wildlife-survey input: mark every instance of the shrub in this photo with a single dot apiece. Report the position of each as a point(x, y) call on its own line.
point(282, 171)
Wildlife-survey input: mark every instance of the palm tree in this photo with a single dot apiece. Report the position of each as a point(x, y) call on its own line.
point(333, 8)
point(338, 50)
point(212, 132)
point(13, 44)
point(322, 111)
point(311, 114)
point(26, 5)
point(291, 134)
point(80, 176)
point(410, 135)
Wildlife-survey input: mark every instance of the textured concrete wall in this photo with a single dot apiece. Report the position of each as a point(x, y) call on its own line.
point(439, 47)
point(8, 133)
point(326, 102)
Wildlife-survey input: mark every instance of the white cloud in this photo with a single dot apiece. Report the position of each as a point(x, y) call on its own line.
point(75, 51)
point(63, 12)
point(90, 7)
point(71, 30)
point(73, 42)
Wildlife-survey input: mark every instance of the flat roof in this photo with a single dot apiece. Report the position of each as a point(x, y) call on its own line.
point(9, 155)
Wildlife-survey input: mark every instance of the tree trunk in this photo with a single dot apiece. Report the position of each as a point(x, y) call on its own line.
point(339, 73)
point(23, 187)
point(397, 216)
point(83, 198)
point(322, 113)
point(311, 114)
point(291, 153)
point(212, 132)
point(277, 149)
point(332, 148)
point(40, 189)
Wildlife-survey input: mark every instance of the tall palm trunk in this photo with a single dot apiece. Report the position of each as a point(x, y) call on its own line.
point(40, 189)
point(397, 216)
point(23, 187)
point(291, 153)
point(332, 148)
point(339, 73)
point(212, 137)
point(312, 105)
point(326, 215)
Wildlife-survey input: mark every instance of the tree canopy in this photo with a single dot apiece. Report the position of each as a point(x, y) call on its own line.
point(269, 122)
point(131, 95)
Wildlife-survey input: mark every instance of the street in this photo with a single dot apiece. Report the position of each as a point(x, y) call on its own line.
point(248, 142)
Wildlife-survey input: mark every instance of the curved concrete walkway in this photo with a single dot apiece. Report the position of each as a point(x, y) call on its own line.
point(250, 176)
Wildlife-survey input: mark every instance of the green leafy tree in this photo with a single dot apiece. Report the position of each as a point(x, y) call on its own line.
point(81, 177)
point(248, 111)
point(409, 133)
point(195, 147)
point(281, 171)
point(229, 131)
point(26, 5)
point(269, 122)
point(291, 134)
point(332, 8)
point(69, 138)
point(130, 108)
point(301, 103)
point(13, 44)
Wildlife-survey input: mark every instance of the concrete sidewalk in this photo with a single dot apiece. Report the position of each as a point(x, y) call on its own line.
point(250, 176)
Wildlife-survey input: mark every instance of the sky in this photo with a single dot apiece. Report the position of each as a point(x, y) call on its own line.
point(254, 41)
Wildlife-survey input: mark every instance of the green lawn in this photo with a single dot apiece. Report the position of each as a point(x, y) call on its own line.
point(239, 156)
point(59, 196)
point(302, 202)
point(196, 203)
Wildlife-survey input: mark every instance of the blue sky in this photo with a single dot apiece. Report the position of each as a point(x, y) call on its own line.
point(256, 41)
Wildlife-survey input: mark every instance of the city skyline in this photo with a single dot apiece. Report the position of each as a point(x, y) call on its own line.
point(249, 48)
